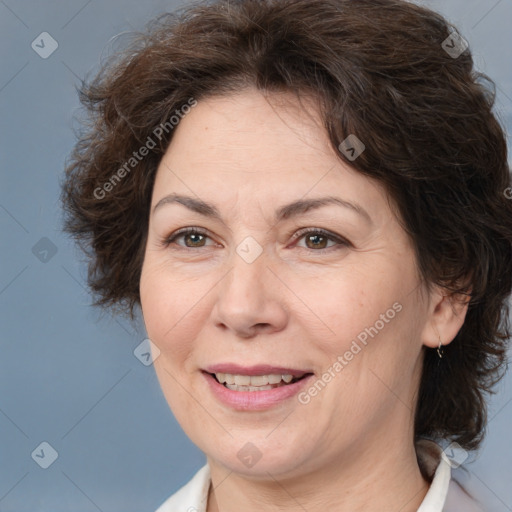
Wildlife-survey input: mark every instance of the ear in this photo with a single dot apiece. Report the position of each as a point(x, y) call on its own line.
point(447, 313)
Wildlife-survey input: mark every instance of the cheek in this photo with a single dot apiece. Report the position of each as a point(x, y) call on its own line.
point(346, 302)
point(371, 319)
point(157, 304)
point(171, 306)
point(175, 306)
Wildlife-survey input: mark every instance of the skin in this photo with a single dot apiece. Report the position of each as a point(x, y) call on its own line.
point(299, 304)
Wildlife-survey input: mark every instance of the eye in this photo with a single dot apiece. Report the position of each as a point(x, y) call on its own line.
point(196, 236)
point(316, 239)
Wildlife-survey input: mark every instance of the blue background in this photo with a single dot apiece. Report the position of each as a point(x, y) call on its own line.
point(68, 376)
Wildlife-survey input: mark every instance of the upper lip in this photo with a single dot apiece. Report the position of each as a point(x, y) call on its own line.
point(259, 369)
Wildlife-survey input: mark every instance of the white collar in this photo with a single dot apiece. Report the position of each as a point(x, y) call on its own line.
point(431, 459)
point(192, 497)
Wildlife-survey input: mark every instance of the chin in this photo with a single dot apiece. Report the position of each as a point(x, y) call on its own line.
point(258, 459)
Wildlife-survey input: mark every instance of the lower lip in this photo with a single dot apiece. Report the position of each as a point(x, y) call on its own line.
point(254, 400)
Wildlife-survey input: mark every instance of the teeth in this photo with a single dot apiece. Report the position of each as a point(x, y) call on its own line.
point(256, 381)
point(248, 388)
point(242, 380)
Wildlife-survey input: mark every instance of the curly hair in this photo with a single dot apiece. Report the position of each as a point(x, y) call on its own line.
point(379, 69)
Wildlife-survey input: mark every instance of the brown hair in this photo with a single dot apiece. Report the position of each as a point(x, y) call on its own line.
point(379, 70)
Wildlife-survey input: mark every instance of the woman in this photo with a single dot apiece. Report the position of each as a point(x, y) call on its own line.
point(307, 200)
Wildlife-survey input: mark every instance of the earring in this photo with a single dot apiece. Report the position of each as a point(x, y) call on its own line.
point(440, 348)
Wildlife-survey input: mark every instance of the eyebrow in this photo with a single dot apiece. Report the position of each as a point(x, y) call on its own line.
point(288, 211)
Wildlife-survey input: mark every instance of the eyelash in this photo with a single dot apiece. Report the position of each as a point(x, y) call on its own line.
point(342, 242)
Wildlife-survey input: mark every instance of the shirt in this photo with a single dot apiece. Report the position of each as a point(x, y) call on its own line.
point(444, 494)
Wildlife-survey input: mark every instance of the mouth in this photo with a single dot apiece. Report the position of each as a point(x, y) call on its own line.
point(265, 382)
point(255, 388)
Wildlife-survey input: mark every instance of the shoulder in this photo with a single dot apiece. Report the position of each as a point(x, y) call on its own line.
point(445, 494)
point(459, 500)
point(192, 496)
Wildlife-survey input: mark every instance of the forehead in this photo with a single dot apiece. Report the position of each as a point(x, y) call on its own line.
point(258, 152)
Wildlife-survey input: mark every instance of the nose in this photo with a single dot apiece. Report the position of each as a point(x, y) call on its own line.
point(250, 300)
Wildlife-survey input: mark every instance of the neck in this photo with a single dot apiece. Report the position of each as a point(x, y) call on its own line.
point(376, 479)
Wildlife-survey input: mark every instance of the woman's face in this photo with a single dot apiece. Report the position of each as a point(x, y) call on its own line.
point(346, 306)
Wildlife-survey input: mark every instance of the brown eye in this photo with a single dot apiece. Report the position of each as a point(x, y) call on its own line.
point(193, 238)
point(196, 239)
point(317, 239)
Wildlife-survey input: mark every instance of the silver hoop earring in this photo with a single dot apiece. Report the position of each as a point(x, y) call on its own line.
point(440, 349)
